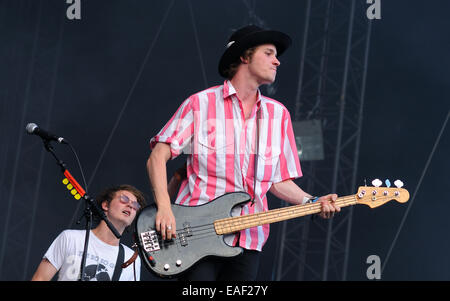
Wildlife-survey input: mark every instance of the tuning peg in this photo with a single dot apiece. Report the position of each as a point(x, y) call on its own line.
point(377, 183)
point(388, 183)
point(398, 184)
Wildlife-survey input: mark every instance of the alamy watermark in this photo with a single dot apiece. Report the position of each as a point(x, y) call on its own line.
point(374, 270)
point(73, 11)
point(374, 10)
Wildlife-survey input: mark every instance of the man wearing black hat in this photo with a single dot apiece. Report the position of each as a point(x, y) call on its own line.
point(238, 140)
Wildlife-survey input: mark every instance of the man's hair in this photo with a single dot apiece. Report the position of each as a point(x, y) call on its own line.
point(231, 70)
point(109, 193)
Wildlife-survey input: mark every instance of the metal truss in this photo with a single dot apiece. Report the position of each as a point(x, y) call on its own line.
point(331, 87)
point(35, 57)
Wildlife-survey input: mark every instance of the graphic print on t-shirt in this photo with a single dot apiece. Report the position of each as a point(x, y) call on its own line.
point(97, 268)
point(96, 272)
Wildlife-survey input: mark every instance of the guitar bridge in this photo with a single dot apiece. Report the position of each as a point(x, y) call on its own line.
point(150, 241)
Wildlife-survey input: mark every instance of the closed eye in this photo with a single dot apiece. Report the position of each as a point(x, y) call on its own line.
point(270, 52)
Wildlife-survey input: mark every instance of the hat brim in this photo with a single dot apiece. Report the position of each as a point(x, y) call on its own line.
point(280, 40)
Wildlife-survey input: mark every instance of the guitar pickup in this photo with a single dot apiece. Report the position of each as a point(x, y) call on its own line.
point(150, 241)
point(187, 229)
point(183, 240)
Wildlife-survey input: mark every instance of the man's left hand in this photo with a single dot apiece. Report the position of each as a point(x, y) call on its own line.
point(329, 206)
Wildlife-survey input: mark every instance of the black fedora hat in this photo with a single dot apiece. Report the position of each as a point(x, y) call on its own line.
point(251, 36)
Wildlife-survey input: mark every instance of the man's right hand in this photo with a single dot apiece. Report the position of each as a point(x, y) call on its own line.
point(165, 223)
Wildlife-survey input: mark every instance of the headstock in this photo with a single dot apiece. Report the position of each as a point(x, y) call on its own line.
point(374, 196)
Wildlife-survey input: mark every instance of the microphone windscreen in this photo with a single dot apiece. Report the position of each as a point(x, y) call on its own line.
point(31, 127)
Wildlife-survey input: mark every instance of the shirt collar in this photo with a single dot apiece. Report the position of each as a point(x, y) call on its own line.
point(229, 90)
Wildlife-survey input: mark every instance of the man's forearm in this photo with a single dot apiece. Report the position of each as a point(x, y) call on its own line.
point(289, 192)
point(157, 173)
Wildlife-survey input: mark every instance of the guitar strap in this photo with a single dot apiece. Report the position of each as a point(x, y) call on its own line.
point(118, 268)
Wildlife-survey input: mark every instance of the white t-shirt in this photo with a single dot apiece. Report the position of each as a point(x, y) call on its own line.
point(66, 251)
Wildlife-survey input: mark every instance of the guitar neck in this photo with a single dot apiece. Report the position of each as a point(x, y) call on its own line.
point(238, 223)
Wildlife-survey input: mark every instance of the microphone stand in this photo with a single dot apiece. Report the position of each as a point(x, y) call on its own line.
point(91, 206)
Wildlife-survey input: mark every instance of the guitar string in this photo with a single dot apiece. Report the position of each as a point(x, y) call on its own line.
point(284, 210)
point(250, 219)
point(347, 200)
point(245, 223)
point(210, 230)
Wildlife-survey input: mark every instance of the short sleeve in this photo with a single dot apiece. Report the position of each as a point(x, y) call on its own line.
point(178, 131)
point(56, 253)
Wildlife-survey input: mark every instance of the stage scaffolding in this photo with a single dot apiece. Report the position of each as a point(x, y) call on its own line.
point(331, 87)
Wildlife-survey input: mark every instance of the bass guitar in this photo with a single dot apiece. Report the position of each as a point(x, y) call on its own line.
point(201, 229)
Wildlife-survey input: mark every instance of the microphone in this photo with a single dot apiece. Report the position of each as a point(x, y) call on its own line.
point(33, 129)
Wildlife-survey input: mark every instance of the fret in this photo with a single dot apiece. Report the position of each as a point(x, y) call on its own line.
point(238, 223)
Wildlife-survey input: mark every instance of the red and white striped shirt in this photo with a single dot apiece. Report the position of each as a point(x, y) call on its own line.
point(211, 127)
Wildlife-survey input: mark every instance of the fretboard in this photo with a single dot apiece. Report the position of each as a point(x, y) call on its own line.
point(238, 223)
